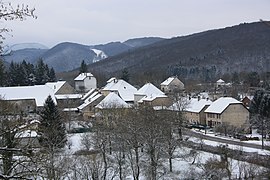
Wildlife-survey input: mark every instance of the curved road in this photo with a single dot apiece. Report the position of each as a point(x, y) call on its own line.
point(227, 141)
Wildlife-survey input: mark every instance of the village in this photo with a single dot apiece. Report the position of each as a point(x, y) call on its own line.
point(84, 106)
point(83, 101)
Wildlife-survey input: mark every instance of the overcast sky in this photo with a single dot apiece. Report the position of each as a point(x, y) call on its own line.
point(101, 21)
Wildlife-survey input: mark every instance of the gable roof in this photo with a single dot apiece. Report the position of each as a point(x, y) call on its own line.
point(88, 94)
point(55, 85)
point(111, 79)
point(221, 104)
point(82, 76)
point(149, 90)
point(68, 96)
point(112, 100)
point(39, 93)
point(196, 106)
point(167, 81)
point(125, 90)
point(90, 100)
point(220, 81)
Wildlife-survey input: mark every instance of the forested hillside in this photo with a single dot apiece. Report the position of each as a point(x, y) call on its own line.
point(205, 56)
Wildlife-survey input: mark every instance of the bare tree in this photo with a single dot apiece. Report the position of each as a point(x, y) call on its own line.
point(17, 153)
point(10, 12)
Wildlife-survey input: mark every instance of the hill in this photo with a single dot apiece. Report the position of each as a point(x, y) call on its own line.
point(68, 56)
point(206, 55)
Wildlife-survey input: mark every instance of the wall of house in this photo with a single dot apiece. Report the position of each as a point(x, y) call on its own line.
point(192, 117)
point(68, 103)
point(202, 115)
point(236, 115)
point(26, 105)
point(137, 98)
point(161, 101)
point(90, 110)
point(90, 83)
point(212, 119)
point(79, 86)
point(174, 86)
point(66, 89)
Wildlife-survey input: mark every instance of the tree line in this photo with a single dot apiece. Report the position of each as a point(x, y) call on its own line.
point(260, 111)
point(26, 74)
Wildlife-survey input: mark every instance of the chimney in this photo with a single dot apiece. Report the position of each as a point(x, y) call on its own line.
point(199, 98)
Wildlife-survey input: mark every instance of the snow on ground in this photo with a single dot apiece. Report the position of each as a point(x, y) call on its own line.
point(254, 134)
point(74, 142)
point(190, 166)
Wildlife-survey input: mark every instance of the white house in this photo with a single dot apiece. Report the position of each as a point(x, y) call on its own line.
point(220, 83)
point(227, 110)
point(28, 98)
point(172, 84)
point(152, 95)
point(112, 100)
point(122, 88)
point(85, 81)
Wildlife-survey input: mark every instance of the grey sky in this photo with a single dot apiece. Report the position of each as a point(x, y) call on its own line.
point(102, 21)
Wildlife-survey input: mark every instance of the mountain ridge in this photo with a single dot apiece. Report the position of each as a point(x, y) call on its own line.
point(67, 56)
point(239, 48)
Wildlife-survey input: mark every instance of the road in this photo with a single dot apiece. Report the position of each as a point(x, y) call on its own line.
point(226, 141)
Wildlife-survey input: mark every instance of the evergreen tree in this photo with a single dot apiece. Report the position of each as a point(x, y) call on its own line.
point(41, 72)
point(256, 102)
point(125, 75)
point(51, 130)
point(253, 79)
point(235, 78)
point(264, 108)
point(52, 77)
point(83, 68)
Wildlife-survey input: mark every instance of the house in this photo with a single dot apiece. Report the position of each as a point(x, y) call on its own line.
point(122, 88)
point(246, 100)
point(172, 84)
point(220, 83)
point(87, 108)
point(194, 110)
point(64, 94)
point(68, 100)
point(150, 94)
point(84, 82)
point(27, 98)
point(61, 87)
point(227, 110)
point(111, 101)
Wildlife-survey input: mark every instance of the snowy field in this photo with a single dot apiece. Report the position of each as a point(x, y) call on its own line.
point(184, 165)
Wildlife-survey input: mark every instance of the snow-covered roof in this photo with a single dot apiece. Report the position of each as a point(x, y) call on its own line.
point(149, 90)
point(221, 104)
point(68, 96)
point(89, 101)
point(26, 134)
point(39, 93)
point(55, 85)
point(112, 100)
point(220, 81)
point(152, 97)
point(70, 109)
point(196, 105)
point(111, 79)
point(167, 81)
point(88, 94)
point(125, 90)
point(204, 95)
point(82, 76)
